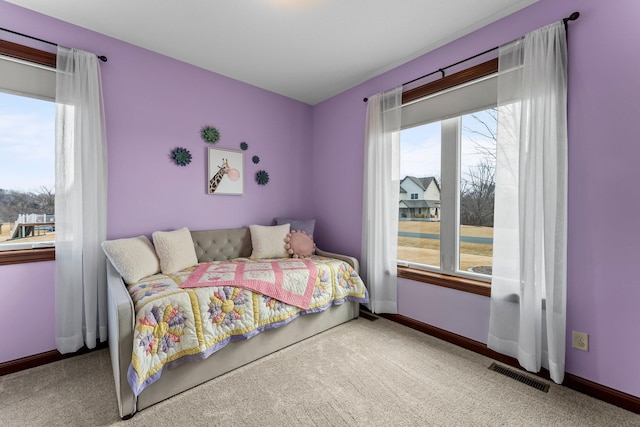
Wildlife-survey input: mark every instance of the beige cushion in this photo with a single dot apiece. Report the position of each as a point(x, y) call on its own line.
point(133, 258)
point(268, 241)
point(175, 250)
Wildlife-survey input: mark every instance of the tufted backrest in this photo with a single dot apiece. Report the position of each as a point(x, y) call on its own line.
point(221, 245)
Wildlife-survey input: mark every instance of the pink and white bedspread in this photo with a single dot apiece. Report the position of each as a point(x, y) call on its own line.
point(291, 281)
point(175, 325)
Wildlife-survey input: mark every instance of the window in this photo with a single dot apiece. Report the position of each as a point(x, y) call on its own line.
point(27, 154)
point(414, 196)
point(448, 149)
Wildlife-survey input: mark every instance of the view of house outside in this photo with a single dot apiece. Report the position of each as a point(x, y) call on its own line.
point(27, 169)
point(420, 193)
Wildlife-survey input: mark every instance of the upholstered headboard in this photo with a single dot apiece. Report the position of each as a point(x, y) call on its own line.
point(221, 245)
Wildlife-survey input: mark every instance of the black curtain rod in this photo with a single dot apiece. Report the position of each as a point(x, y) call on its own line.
point(572, 17)
point(100, 57)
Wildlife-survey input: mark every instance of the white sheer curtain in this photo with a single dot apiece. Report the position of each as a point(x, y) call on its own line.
point(81, 202)
point(381, 200)
point(528, 290)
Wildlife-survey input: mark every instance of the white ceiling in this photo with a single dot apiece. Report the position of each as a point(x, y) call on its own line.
point(308, 50)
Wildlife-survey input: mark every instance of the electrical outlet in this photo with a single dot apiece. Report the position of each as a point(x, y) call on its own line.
point(580, 340)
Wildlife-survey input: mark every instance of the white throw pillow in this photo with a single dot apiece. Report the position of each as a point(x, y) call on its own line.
point(134, 258)
point(268, 241)
point(175, 250)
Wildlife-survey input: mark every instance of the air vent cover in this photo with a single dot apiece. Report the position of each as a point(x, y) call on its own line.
point(519, 377)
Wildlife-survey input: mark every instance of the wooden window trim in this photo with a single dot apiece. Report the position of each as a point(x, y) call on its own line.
point(27, 255)
point(452, 282)
point(26, 53)
point(472, 73)
point(48, 59)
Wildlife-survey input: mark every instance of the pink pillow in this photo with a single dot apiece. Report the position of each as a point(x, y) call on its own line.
point(300, 244)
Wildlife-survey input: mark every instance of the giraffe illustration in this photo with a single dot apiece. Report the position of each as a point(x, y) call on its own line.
point(215, 181)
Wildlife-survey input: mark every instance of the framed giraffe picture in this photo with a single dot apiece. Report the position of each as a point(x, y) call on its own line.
point(225, 172)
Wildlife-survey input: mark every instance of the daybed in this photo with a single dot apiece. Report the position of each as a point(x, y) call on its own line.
point(176, 377)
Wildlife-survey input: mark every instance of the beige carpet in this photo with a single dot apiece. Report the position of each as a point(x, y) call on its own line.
point(360, 373)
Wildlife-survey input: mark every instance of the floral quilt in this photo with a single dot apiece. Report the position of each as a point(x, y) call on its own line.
point(175, 325)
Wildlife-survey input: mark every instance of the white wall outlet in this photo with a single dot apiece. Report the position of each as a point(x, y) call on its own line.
point(580, 340)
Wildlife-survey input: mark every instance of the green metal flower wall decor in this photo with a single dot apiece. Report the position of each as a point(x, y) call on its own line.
point(255, 159)
point(181, 156)
point(244, 146)
point(262, 177)
point(210, 134)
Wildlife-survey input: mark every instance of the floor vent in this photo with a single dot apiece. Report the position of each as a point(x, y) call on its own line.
point(519, 377)
point(367, 315)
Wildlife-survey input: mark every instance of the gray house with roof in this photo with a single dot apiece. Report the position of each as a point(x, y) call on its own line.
point(419, 198)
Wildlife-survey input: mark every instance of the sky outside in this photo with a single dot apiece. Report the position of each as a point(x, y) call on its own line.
point(27, 143)
point(420, 147)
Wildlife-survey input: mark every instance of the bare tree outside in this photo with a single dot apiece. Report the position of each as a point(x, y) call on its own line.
point(477, 194)
point(477, 190)
point(46, 200)
point(485, 132)
point(477, 184)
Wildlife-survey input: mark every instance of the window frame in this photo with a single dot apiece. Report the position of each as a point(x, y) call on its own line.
point(48, 59)
point(443, 277)
point(26, 53)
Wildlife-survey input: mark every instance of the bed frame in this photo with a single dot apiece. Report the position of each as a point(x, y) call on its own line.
point(213, 245)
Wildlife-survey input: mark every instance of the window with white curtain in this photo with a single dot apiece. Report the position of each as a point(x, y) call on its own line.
point(447, 146)
point(27, 153)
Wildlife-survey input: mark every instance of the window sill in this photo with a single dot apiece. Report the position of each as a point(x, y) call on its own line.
point(27, 255)
point(458, 283)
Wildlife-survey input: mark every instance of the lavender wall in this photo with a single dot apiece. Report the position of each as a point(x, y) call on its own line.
point(153, 104)
point(603, 284)
point(27, 295)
